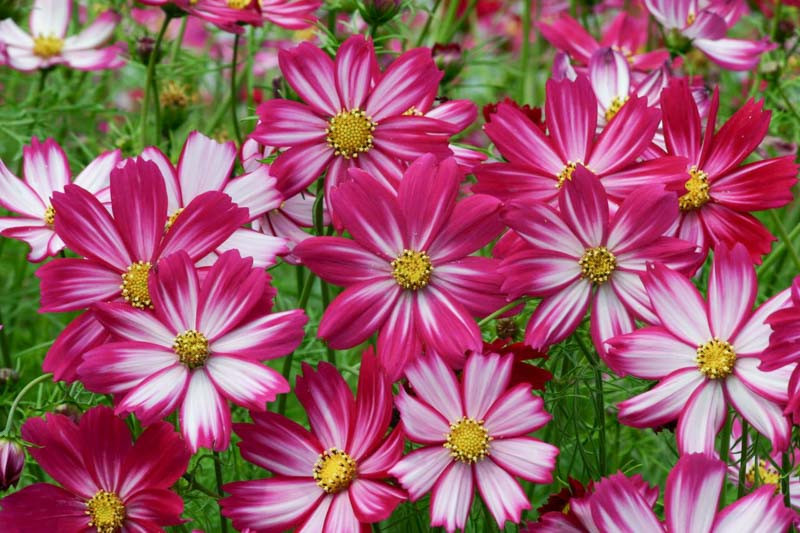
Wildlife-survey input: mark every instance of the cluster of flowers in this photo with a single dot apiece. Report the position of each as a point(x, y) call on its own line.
point(609, 204)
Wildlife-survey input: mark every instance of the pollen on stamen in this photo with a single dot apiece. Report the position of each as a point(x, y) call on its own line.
point(334, 471)
point(566, 173)
point(697, 190)
point(134, 285)
point(616, 105)
point(238, 4)
point(468, 441)
point(412, 270)
point(49, 216)
point(767, 475)
point(172, 218)
point(47, 46)
point(106, 512)
point(716, 359)
point(350, 133)
point(597, 264)
point(191, 346)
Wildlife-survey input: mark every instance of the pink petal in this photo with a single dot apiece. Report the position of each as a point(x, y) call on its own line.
point(365, 305)
point(759, 185)
point(770, 385)
point(610, 74)
point(502, 494)
point(558, 315)
point(158, 395)
point(97, 174)
point(356, 67)
point(701, 419)
point(474, 282)
point(279, 445)
point(695, 478)
point(522, 142)
point(420, 469)
point(764, 415)
point(160, 506)
point(129, 323)
point(421, 423)
point(341, 261)
point(451, 498)
point(310, 72)
point(435, 383)
point(571, 114)
point(663, 403)
point(480, 393)
point(373, 410)
point(42, 239)
point(378, 463)
point(341, 516)
point(373, 501)
point(398, 341)
point(104, 463)
point(542, 227)
point(678, 304)
point(473, 224)
point(270, 504)
point(168, 172)
point(642, 218)
point(46, 168)
point(175, 292)
point(621, 143)
point(244, 382)
point(761, 510)
point(111, 57)
point(728, 308)
point(650, 353)
point(257, 191)
point(205, 417)
point(617, 505)
point(734, 54)
point(300, 165)
point(158, 458)
point(682, 130)
point(263, 249)
point(288, 123)
point(517, 412)
point(38, 507)
point(525, 457)
point(727, 227)
point(328, 403)
point(68, 284)
point(50, 17)
point(204, 165)
point(444, 324)
point(81, 335)
point(117, 367)
point(18, 196)
point(94, 35)
point(753, 336)
point(267, 337)
point(408, 80)
point(610, 317)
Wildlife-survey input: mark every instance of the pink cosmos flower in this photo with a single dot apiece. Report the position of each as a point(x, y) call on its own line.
point(47, 44)
point(706, 29)
point(784, 348)
point(407, 271)
point(46, 171)
point(581, 256)
point(474, 432)
point(352, 115)
point(720, 192)
point(108, 483)
point(691, 498)
point(119, 251)
point(203, 344)
point(539, 164)
point(230, 15)
point(12, 459)
point(705, 356)
point(205, 165)
point(332, 478)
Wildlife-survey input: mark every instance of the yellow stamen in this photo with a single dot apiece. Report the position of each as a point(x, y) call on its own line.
point(334, 470)
point(172, 218)
point(690, 18)
point(412, 270)
point(716, 359)
point(49, 215)
point(696, 190)
point(106, 512)
point(238, 4)
point(192, 348)
point(597, 264)
point(767, 474)
point(468, 441)
point(616, 105)
point(47, 46)
point(566, 173)
point(412, 112)
point(134, 285)
point(349, 133)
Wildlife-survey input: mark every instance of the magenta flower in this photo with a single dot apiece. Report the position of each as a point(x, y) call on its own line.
point(691, 498)
point(706, 29)
point(720, 192)
point(407, 271)
point(230, 15)
point(332, 478)
point(539, 164)
point(705, 356)
point(12, 459)
point(118, 251)
point(203, 344)
point(581, 256)
point(108, 483)
point(205, 165)
point(47, 44)
point(784, 347)
point(474, 432)
point(352, 115)
point(46, 171)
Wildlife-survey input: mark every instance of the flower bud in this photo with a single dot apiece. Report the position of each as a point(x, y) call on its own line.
point(12, 458)
point(449, 58)
point(379, 12)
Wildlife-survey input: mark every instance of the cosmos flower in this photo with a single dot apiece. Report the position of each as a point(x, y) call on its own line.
point(48, 45)
point(12, 459)
point(351, 115)
point(329, 479)
point(720, 192)
point(203, 344)
point(705, 356)
point(108, 483)
point(205, 165)
point(784, 347)
point(407, 271)
point(580, 256)
point(691, 498)
point(46, 171)
point(473, 432)
point(119, 251)
point(231, 15)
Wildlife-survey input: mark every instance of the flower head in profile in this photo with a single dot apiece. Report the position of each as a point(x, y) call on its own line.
point(46, 171)
point(332, 478)
point(705, 356)
point(407, 270)
point(691, 498)
point(351, 115)
point(47, 43)
point(232, 15)
point(581, 256)
point(108, 483)
point(474, 432)
point(203, 345)
point(784, 348)
point(12, 459)
point(118, 251)
point(717, 192)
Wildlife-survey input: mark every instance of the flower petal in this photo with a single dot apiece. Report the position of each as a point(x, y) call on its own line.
point(695, 478)
point(245, 382)
point(701, 419)
point(451, 498)
point(525, 457)
point(279, 445)
point(663, 403)
point(205, 417)
point(502, 494)
point(420, 469)
point(270, 504)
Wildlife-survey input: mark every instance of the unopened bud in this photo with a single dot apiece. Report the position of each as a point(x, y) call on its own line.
point(12, 459)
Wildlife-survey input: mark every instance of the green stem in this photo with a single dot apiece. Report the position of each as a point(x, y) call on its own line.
point(149, 82)
point(218, 474)
point(742, 460)
point(287, 363)
point(194, 484)
point(233, 89)
point(507, 307)
point(450, 16)
point(785, 237)
point(724, 446)
point(599, 404)
point(778, 251)
point(22, 393)
point(427, 27)
point(6, 352)
point(786, 467)
point(178, 43)
point(525, 57)
point(776, 19)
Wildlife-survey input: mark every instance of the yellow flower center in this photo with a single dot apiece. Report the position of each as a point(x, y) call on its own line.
point(766, 473)
point(716, 359)
point(134, 285)
point(172, 218)
point(49, 215)
point(106, 512)
point(412, 112)
point(349, 133)
point(412, 270)
point(47, 46)
point(334, 470)
point(616, 105)
point(192, 348)
point(468, 441)
point(173, 95)
point(690, 18)
point(566, 173)
point(238, 4)
point(696, 190)
point(597, 264)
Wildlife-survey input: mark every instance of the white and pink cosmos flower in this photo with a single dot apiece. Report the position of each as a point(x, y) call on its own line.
point(47, 171)
point(47, 44)
point(694, 488)
point(202, 345)
point(474, 432)
point(705, 356)
point(331, 479)
point(231, 15)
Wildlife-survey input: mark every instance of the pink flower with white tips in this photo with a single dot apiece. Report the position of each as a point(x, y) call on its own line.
point(407, 270)
point(120, 250)
point(203, 345)
point(581, 256)
point(48, 45)
point(331, 479)
point(46, 171)
point(474, 432)
point(705, 356)
point(691, 498)
point(706, 29)
point(784, 348)
point(230, 15)
point(205, 165)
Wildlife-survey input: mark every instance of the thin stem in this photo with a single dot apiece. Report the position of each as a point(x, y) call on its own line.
point(6, 353)
point(233, 89)
point(176, 46)
point(507, 307)
point(599, 404)
point(778, 251)
point(525, 56)
point(742, 460)
point(786, 466)
point(22, 393)
point(194, 484)
point(427, 27)
point(218, 474)
point(724, 446)
point(287, 363)
point(785, 237)
point(149, 82)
